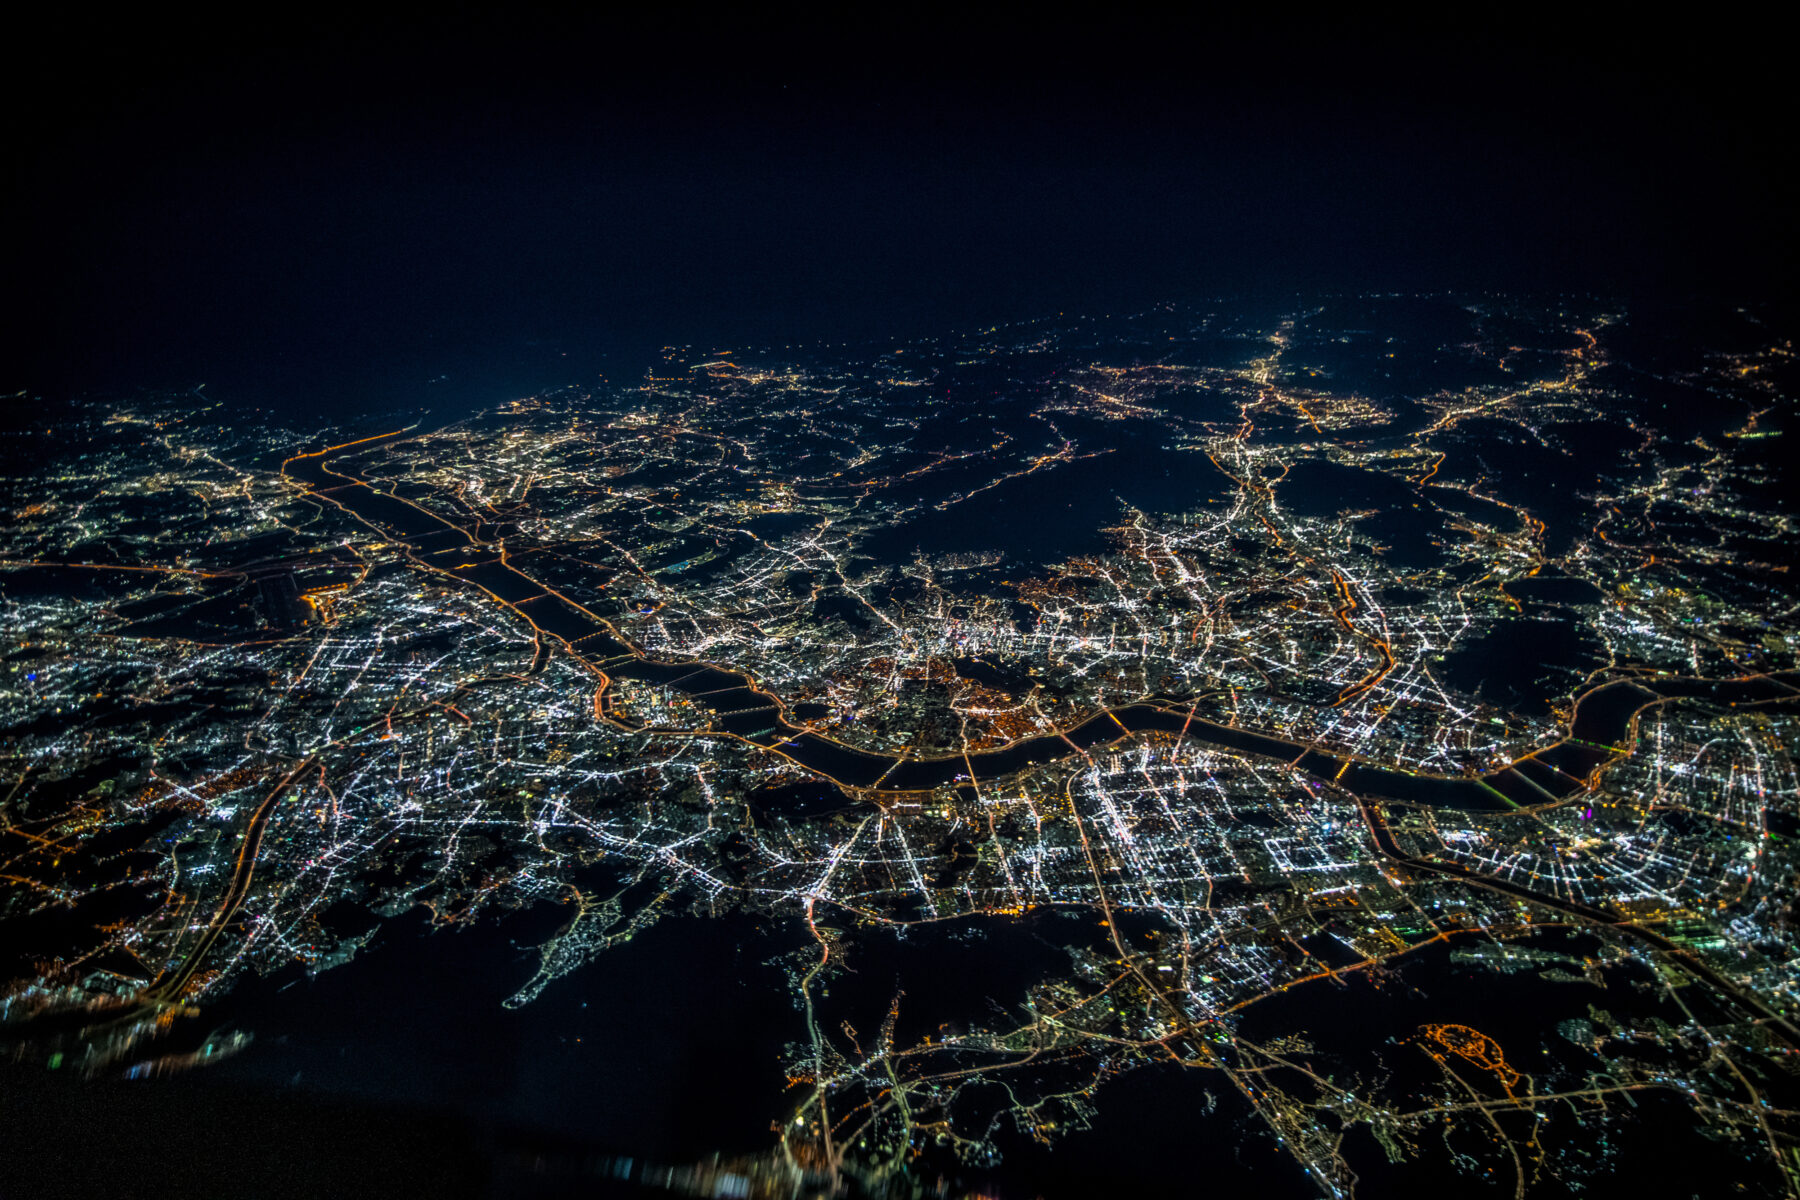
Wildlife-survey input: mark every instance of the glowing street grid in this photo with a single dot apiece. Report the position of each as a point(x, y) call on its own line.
point(1275, 648)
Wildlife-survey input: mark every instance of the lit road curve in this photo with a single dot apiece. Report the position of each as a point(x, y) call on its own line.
point(243, 871)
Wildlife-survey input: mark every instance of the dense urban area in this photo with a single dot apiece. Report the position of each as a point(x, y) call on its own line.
point(1200, 665)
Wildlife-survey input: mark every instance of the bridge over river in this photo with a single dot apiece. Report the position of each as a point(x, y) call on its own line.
point(1603, 721)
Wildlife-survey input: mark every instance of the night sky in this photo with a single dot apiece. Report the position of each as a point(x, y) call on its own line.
point(349, 210)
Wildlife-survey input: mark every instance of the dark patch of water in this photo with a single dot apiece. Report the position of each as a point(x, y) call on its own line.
point(554, 616)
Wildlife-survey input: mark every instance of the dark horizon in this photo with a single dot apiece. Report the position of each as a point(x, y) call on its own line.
point(349, 208)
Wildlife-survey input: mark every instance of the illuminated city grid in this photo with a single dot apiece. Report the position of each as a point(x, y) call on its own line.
point(602, 631)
